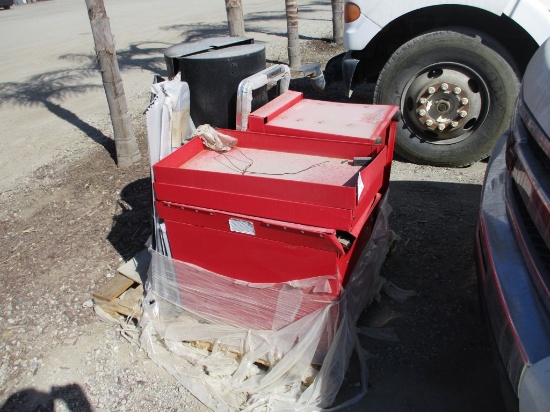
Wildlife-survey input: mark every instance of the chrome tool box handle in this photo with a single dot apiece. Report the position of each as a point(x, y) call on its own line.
point(268, 77)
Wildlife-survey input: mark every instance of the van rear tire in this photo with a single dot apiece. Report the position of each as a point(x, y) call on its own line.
point(456, 90)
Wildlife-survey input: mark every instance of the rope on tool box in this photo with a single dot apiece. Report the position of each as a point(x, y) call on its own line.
point(221, 142)
point(249, 162)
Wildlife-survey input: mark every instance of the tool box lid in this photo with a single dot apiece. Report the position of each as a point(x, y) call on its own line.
point(291, 114)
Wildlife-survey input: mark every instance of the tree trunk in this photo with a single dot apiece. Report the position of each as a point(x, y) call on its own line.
point(235, 19)
point(127, 151)
point(294, 56)
point(338, 21)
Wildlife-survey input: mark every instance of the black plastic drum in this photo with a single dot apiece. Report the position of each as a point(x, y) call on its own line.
point(213, 68)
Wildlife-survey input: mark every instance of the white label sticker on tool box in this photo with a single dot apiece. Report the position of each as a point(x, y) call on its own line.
point(242, 226)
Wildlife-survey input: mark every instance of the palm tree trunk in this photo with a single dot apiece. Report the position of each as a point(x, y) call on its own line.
point(338, 21)
point(127, 150)
point(294, 56)
point(235, 19)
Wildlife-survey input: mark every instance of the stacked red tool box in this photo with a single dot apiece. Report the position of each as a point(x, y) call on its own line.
point(291, 115)
point(277, 210)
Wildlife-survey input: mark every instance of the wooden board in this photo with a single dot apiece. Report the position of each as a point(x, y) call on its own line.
point(128, 304)
point(113, 288)
point(228, 351)
point(131, 298)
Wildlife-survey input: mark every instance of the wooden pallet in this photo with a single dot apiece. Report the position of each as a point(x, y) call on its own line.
point(122, 294)
point(231, 352)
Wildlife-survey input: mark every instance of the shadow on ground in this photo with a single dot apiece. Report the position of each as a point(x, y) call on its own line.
point(434, 353)
point(72, 396)
point(133, 225)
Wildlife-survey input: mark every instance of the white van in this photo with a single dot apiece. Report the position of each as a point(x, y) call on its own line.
point(453, 68)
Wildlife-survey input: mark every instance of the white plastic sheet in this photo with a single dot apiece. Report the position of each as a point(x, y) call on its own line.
point(222, 361)
point(169, 125)
point(214, 139)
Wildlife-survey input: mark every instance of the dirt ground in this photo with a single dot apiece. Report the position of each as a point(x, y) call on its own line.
point(69, 223)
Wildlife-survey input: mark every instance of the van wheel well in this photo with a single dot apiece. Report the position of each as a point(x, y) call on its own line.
point(518, 43)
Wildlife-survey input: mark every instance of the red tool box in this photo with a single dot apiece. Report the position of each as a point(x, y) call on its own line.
point(292, 115)
point(293, 179)
point(274, 209)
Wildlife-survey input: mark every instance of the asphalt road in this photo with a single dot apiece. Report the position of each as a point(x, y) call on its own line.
point(49, 84)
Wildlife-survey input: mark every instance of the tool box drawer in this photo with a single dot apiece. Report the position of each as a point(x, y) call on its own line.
point(288, 178)
point(261, 250)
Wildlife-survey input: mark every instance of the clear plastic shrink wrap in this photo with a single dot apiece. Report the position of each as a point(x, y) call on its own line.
point(200, 326)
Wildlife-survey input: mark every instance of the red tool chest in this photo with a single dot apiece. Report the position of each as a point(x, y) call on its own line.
point(292, 115)
point(274, 209)
point(317, 187)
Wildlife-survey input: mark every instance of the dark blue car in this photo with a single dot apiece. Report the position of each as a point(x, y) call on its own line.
point(513, 244)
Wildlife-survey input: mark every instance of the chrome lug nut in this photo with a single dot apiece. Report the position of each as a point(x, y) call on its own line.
point(429, 122)
point(423, 100)
point(421, 112)
point(463, 113)
point(454, 124)
point(444, 86)
point(457, 90)
point(441, 126)
point(431, 90)
point(464, 101)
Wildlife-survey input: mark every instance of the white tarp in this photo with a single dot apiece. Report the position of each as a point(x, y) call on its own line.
point(169, 125)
